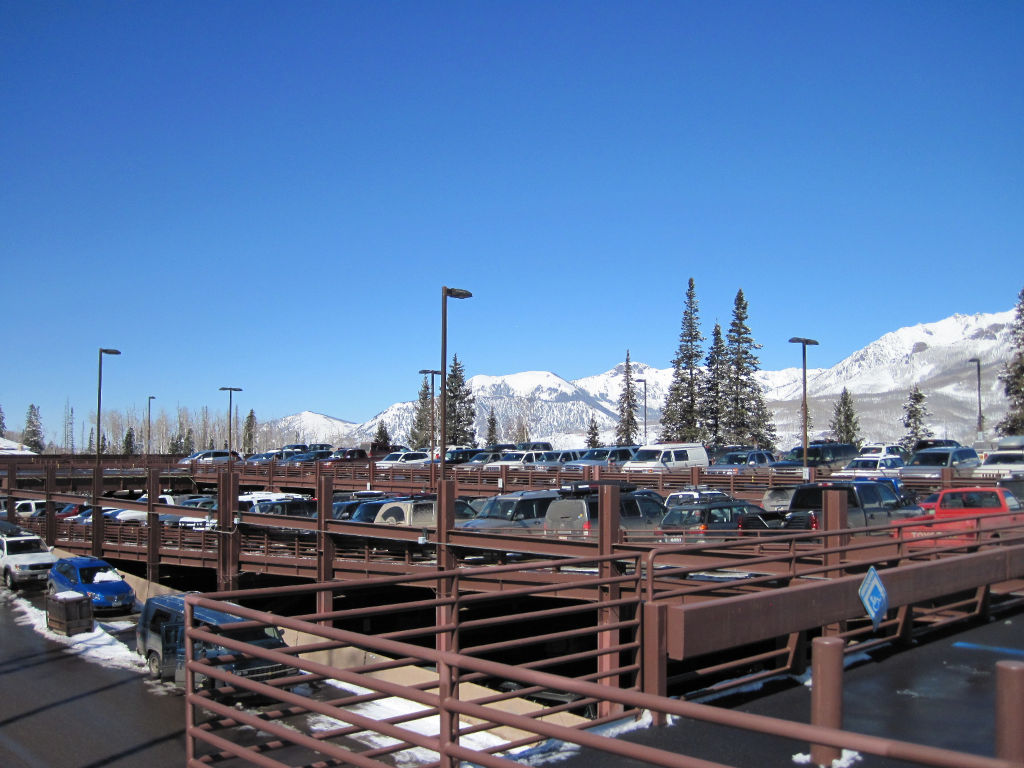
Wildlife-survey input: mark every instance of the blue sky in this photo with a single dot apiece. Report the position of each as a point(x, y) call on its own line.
point(271, 195)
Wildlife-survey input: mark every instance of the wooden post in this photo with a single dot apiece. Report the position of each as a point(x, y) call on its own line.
point(826, 693)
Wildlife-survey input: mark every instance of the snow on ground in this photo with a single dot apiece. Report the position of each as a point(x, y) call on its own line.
point(98, 646)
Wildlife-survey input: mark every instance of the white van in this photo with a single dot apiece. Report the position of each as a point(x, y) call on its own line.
point(667, 457)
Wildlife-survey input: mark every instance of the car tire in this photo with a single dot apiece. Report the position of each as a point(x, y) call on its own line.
point(153, 664)
point(9, 581)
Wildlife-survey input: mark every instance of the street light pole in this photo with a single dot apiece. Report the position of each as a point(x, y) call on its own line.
point(99, 400)
point(231, 391)
point(446, 293)
point(803, 344)
point(433, 428)
point(149, 423)
point(981, 421)
point(644, 382)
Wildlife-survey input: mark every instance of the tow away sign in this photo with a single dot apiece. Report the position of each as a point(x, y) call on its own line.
point(873, 596)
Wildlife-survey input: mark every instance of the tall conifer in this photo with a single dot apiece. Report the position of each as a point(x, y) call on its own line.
point(626, 430)
point(1012, 377)
point(680, 420)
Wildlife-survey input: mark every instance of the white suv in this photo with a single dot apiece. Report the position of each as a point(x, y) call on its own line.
point(24, 559)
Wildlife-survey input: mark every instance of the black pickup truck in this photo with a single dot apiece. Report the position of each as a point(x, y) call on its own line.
point(868, 503)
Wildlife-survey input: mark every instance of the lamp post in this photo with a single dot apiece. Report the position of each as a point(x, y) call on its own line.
point(446, 293)
point(99, 401)
point(981, 421)
point(433, 429)
point(231, 391)
point(644, 382)
point(803, 344)
point(149, 422)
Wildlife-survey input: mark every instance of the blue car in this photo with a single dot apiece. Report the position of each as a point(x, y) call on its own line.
point(93, 577)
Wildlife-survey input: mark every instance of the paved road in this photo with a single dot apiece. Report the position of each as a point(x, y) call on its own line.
point(61, 711)
point(940, 693)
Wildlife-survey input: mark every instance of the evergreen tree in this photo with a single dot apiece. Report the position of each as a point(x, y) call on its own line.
point(421, 433)
point(1012, 377)
point(521, 433)
point(188, 445)
point(249, 434)
point(747, 418)
point(128, 446)
point(914, 415)
point(382, 437)
point(680, 420)
point(845, 425)
point(626, 429)
point(593, 435)
point(176, 448)
point(492, 428)
point(712, 403)
point(460, 406)
point(32, 437)
point(91, 447)
point(3, 425)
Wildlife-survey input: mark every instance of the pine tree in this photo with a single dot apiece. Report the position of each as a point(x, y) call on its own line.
point(421, 433)
point(176, 448)
point(1012, 377)
point(626, 429)
point(32, 436)
point(914, 415)
point(680, 420)
point(845, 425)
point(712, 403)
point(747, 418)
point(249, 434)
point(3, 425)
point(188, 445)
point(521, 433)
point(91, 447)
point(593, 435)
point(460, 406)
point(382, 438)
point(128, 446)
point(492, 428)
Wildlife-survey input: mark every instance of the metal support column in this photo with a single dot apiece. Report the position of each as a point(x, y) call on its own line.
point(227, 531)
point(609, 529)
point(654, 662)
point(50, 534)
point(1009, 704)
point(97, 511)
point(154, 529)
point(324, 543)
point(826, 693)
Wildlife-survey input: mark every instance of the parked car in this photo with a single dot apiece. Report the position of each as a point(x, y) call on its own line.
point(715, 520)
point(215, 456)
point(402, 459)
point(554, 459)
point(575, 513)
point(933, 442)
point(1007, 458)
point(343, 455)
point(695, 495)
point(295, 447)
point(97, 579)
point(480, 459)
point(929, 462)
point(868, 503)
point(667, 457)
point(534, 445)
point(417, 512)
point(819, 454)
point(24, 558)
point(29, 507)
point(517, 512)
point(321, 447)
point(293, 507)
point(159, 639)
point(606, 456)
point(970, 514)
point(884, 449)
point(871, 466)
point(515, 460)
point(310, 455)
point(459, 455)
point(738, 462)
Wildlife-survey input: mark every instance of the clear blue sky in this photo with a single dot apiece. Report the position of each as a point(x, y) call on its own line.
point(271, 195)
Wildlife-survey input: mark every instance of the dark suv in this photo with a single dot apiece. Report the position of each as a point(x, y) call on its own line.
point(693, 522)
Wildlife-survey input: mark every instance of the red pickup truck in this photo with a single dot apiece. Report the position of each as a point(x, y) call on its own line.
point(970, 514)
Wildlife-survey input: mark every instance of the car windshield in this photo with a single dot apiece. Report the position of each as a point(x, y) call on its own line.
point(732, 458)
point(481, 458)
point(392, 457)
point(25, 546)
point(512, 456)
point(682, 517)
point(863, 464)
point(366, 512)
point(647, 455)
point(595, 454)
point(498, 508)
point(98, 573)
point(937, 459)
point(1015, 457)
point(550, 456)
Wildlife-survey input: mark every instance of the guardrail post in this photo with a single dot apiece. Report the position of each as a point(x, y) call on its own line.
point(228, 555)
point(654, 661)
point(608, 531)
point(153, 526)
point(1009, 704)
point(325, 544)
point(50, 532)
point(826, 693)
point(97, 511)
point(12, 483)
point(834, 522)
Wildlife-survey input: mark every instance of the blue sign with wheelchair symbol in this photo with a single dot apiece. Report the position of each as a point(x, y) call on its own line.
point(873, 596)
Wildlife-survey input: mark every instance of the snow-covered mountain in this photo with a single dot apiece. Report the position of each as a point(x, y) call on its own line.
point(934, 356)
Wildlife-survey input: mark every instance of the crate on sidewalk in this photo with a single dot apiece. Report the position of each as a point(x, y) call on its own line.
point(69, 613)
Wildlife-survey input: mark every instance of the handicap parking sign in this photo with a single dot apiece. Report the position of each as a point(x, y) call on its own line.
point(873, 596)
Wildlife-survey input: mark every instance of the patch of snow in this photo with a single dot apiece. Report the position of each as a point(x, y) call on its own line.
point(848, 759)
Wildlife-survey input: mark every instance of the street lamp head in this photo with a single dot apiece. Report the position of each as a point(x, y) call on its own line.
point(457, 293)
point(230, 389)
point(801, 340)
point(104, 351)
point(974, 360)
point(152, 397)
point(429, 372)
